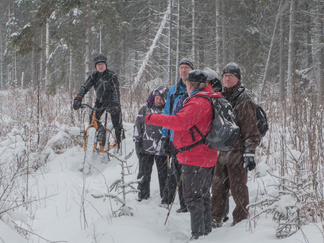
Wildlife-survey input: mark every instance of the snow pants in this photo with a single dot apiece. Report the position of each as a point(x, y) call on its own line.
point(146, 162)
point(196, 187)
point(229, 174)
point(172, 180)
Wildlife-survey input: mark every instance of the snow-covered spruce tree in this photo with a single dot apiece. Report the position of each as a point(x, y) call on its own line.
point(294, 202)
point(121, 188)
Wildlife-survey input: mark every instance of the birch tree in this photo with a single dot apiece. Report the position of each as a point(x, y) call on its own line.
point(152, 47)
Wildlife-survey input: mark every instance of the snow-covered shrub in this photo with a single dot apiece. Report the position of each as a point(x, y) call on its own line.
point(120, 188)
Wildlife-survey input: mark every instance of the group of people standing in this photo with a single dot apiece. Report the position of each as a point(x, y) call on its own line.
point(198, 170)
point(164, 125)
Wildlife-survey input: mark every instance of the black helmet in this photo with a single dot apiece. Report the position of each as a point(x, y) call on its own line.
point(197, 76)
point(233, 68)
point(100, 58)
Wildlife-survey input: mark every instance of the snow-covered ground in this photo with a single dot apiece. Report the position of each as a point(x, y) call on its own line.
point(59, 215)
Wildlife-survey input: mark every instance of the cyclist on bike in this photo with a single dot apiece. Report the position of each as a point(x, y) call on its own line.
point(106, 85)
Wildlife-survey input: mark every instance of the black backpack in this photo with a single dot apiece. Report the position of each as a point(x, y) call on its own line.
point(224, 132)
point(262, 121)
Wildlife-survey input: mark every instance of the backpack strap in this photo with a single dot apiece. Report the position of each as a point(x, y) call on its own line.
point(203, 138)
point(175, 95)
point(235, 95)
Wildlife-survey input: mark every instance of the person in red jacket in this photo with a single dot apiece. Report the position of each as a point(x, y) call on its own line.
point(197, 162)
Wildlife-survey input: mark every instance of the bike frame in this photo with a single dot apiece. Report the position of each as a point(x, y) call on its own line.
point(94, 123)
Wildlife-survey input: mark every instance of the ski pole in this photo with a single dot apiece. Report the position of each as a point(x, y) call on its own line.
point(174, 195)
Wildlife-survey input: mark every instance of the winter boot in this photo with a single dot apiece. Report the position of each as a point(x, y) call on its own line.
point(101, 137)
point(216, 224)
point(197, 225)
point(207, 221)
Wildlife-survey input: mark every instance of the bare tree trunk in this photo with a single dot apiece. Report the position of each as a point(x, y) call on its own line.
point(281, 61)
point(292, 50)
point(320, 51)
point(178, 33)
point(169, 48)
point(218, 37)
point(22, 80)
point(100, 39)
point(47, 55)
point(87, 46)
point(224, 34)
point(39, 75)
point(152, 47)
point(71, 71)
point(265, 75)
point(193, 35)
point(15, 69)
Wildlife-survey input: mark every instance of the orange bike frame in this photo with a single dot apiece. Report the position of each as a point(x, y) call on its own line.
point(94, 123)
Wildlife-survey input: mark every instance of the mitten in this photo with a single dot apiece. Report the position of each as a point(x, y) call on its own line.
point(165, 145)
point(77, 102)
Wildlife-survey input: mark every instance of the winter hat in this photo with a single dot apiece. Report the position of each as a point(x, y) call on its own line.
point(211, 74)
point(161, 90)
point(214, 81)
point(188, 61)
point(197, 76)
point(233, 68)
point(100, 58)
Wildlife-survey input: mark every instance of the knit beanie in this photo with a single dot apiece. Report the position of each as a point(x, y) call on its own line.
point(188, 61)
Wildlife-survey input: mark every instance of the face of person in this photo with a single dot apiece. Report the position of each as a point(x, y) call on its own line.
point(184, 71)
point(158, 100)
point(230, 80)
point(189, 88)
point(101, 67)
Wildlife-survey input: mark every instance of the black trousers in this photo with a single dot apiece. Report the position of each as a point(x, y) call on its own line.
point(196, 187)
point(116, 119)
point(146, 162)
point(174, 174)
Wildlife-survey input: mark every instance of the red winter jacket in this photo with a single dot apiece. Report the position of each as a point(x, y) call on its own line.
point(196, 111)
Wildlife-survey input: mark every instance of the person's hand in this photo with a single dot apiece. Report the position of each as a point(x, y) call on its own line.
point(77, 102)
point(249, 163)
point(165, 145)
point(138, 149)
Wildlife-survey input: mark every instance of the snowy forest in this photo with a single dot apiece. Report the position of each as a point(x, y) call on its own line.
point(46, 53)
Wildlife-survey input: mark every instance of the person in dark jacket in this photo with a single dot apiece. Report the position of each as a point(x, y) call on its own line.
point(176, 95)
point(196, 163)
point(232, 164)
point(147, 140)
point(106, 85)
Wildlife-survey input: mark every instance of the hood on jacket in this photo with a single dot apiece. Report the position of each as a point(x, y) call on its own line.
point(160, 90)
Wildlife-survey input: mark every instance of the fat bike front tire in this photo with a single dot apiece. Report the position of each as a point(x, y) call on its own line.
point(90, 143)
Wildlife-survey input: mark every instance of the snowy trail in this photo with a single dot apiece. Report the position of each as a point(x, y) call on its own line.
point(59, 217)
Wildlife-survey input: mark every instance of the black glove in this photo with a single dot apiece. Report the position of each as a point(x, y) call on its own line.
point(139, 149)
point(77, 102)
point(249, 163)
point(165, 145)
